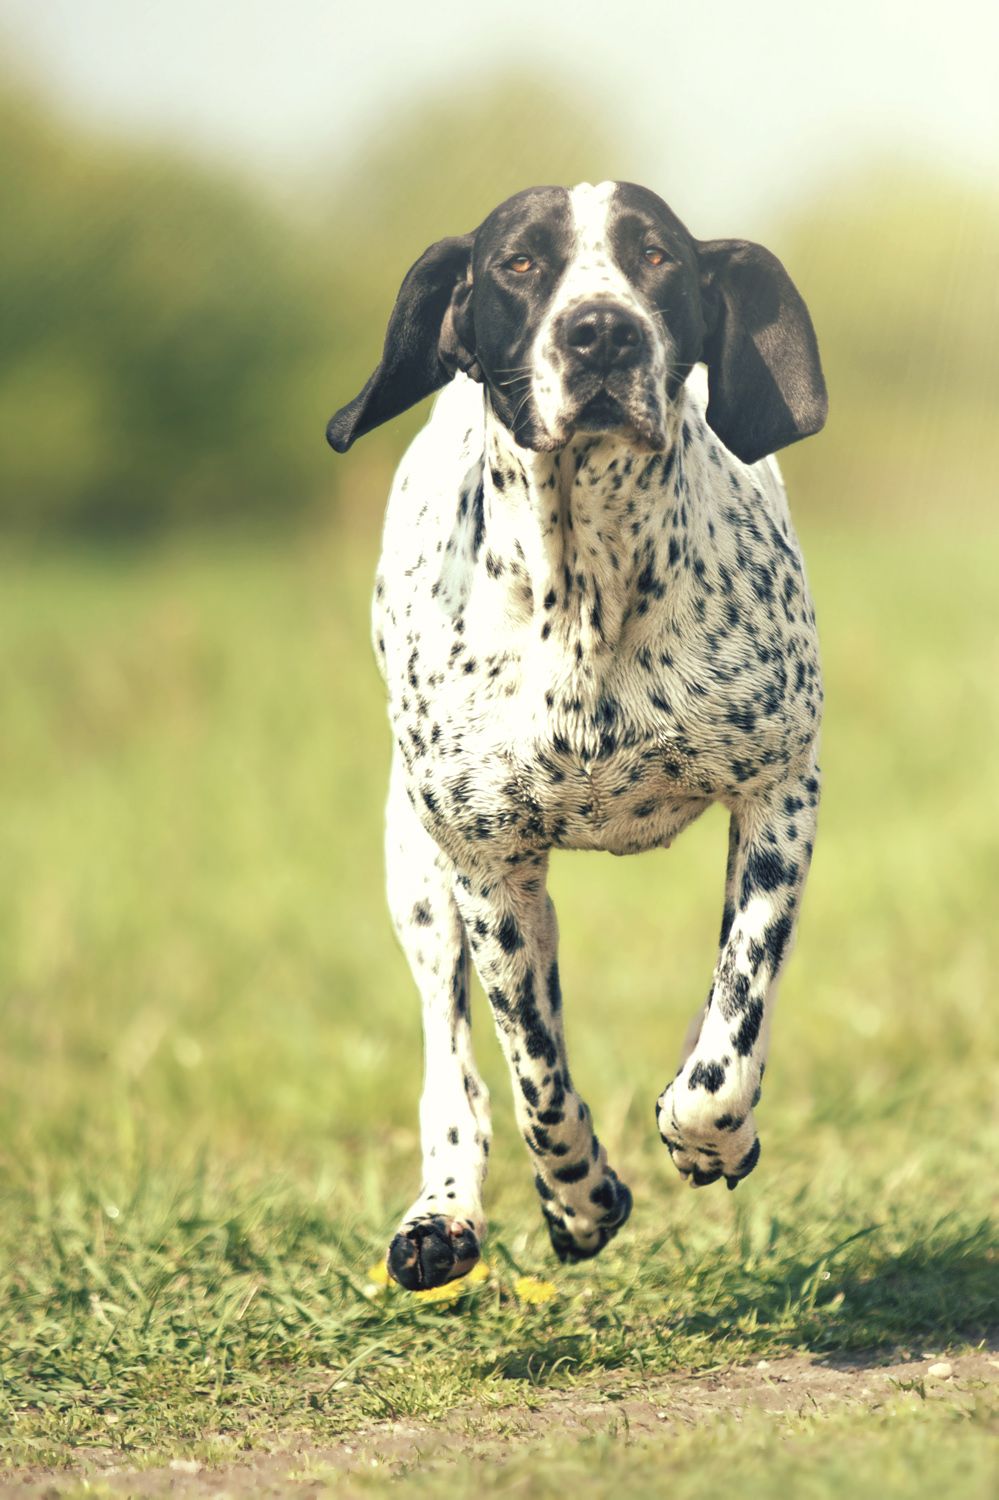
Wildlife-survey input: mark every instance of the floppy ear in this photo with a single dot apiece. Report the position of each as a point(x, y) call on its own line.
point(422, 348)
point(765, 384)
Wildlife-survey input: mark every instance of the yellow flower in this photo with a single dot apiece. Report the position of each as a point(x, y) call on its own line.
point(452, 1289)
point(379, 1279)
point(531, 1289)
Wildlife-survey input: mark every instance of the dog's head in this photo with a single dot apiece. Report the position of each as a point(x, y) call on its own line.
point(582, 310)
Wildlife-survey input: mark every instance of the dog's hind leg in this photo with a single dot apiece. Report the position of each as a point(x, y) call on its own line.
point(512, 928)
point(439, 1237)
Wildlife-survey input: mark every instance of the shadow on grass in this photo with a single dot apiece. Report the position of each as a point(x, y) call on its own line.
point(945, 1288)
point(858, 1303)
point(909, 1297)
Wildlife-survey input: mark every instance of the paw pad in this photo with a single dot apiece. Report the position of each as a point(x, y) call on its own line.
point(431, 1252)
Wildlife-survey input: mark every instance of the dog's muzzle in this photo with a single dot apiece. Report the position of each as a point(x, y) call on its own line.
point(607, 363)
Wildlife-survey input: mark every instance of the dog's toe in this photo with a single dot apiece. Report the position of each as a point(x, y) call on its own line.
point(431, 1252)
point(744, 1167)
point(707, 1148)
point(570, 1246)
point(698, 1177)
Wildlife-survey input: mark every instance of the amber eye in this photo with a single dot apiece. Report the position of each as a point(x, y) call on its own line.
point(520, 264)
point(654, 255)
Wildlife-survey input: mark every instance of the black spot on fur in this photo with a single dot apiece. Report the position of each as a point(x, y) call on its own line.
point(537, 1037)
point(708, 1076)
point(604, 1195)
point(508, 934)
point(574, 1172)
point(765, 871)
point(749, 1029)
point(776, 938)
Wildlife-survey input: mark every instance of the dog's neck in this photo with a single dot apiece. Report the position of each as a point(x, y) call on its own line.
point(577, 540)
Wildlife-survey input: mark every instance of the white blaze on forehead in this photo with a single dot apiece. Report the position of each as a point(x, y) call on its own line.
point(593, 273)
point(590, 210)
point(592, 270)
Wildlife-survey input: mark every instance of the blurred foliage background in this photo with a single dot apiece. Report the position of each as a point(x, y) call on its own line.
point(175, 336)
point(176, 340)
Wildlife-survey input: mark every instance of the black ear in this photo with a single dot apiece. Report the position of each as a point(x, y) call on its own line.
point(765, 384)
point(420, 353)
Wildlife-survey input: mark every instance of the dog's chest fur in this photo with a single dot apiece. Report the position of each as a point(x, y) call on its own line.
point(584, 650)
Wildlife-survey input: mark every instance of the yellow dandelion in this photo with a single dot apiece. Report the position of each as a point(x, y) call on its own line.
point(452, 1289)
point(378, 1280)
point(531, 1289)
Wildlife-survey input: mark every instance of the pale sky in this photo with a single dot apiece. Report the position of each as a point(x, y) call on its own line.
point(732, 108)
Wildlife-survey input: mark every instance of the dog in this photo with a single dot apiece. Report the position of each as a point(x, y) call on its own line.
point(592, 620)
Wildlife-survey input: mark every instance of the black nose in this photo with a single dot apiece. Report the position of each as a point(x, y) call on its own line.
point(604, 336)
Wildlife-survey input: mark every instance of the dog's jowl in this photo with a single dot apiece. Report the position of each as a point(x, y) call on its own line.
point(592, 620)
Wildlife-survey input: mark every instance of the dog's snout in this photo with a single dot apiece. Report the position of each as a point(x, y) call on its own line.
point(604, 336)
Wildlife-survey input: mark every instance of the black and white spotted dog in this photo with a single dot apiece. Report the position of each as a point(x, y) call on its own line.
point(593, 622)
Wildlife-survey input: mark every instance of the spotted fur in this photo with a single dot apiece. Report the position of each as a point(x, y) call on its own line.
point(593, 622)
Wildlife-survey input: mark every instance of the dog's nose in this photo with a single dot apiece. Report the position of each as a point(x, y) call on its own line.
point(604, 336)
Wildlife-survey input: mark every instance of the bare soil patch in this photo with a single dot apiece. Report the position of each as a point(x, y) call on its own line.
point(304, 1468)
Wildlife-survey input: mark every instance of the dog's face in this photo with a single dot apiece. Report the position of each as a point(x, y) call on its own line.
point(582, 310)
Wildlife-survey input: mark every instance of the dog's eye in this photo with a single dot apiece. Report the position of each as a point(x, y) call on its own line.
point(655, 255)
point(519, 263)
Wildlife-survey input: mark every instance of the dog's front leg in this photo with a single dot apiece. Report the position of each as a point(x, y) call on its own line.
point(705, 1115)
point(439, 1237)
point(511, 926)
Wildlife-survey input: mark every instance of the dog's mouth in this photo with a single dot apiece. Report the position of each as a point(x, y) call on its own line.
point(636, 415)
point(629, 409)
point(602, 413)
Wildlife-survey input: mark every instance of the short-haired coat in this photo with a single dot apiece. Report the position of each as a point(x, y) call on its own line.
point(592, 620)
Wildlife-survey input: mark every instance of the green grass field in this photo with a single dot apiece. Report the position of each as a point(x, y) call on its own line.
point(209, 1064)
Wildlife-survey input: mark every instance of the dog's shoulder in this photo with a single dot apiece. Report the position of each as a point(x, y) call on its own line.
point(426, 536)
point(435, 468)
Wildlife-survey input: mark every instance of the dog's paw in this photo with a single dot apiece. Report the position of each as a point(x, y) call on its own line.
point(575, 1239)
point(429, 1251)
point(705, 1141)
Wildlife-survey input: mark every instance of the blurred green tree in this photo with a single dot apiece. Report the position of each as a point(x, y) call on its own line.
point(900, 268)
point(155, 317)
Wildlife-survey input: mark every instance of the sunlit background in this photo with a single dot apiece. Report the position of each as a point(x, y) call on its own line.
point(207, 207)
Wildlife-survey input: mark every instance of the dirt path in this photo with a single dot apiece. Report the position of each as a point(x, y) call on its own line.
point(303, 1469)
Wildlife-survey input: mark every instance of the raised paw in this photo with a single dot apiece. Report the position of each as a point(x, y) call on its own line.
point(431, 1251)
point(705, 1141)
point(575, 1238)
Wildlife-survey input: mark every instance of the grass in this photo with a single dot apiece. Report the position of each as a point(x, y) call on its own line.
point(209, 1070)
